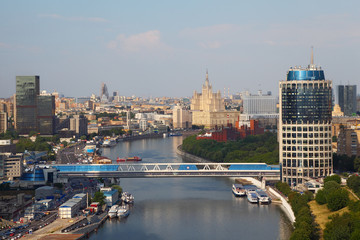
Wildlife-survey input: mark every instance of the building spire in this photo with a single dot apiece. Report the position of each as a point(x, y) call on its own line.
point(207, 76)
point(312, 56)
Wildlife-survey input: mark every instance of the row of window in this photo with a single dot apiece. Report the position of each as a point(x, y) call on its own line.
point(310, 149)
point(306, 173)
point(306, 163)
point(305, 141)
point(306, 155)
point(306, 85)
point(305, 129)
point(306, 135)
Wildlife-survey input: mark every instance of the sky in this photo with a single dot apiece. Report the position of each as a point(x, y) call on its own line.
point(163, 48)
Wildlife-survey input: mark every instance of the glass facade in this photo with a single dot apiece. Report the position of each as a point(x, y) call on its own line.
point(27, 89)
point(306, 102)
point(46, 113)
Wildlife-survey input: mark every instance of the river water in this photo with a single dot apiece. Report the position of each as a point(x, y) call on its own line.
point(187, 208)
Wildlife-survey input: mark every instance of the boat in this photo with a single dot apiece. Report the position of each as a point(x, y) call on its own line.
point(119, 160)
point(129, 159)
point(133, 159)
point(127, 198)
point(252, 197)
point(109, 143)
point(238, 190)
point(263, 198)
point(123, 211)
point(113, 211)
point(174, 134)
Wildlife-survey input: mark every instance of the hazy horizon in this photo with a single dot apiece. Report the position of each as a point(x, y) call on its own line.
point(161, 48)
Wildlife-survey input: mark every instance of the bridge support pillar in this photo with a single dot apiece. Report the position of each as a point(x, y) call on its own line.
point(115, 181)
point(263, 183)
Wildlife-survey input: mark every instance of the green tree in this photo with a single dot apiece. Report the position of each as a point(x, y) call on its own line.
point(338, 228)
point(337, 199)
point(334, 177)
point(320, 197)
point(357, 164)
point(353, 182)
point(117, 187)
point(99, 197)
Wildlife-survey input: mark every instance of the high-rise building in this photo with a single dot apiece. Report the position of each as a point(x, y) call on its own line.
point(349, 140)
point(79, 124)
point(27, 90)
point(104, 94)
point(181, 117)
point(305, 99)
point(46, 114)
point(347, 99)
point(3, 122)
point(208, 108)
point(34, 111)
point(11, 165)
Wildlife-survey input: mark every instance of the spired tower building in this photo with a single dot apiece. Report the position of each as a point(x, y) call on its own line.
point(208, 108)
point(305, 124)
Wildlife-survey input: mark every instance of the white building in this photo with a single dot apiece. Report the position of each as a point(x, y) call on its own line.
point(259, 104)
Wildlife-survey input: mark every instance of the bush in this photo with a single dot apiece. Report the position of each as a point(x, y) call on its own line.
point(283, 187)
point(320, 197)
point(338, 228)
point(337, 199)
point(353, 182)
point(335, 178)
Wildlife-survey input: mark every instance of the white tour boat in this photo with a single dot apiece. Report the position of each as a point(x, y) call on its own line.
point(113, 211)
point(238, 190)
point(123, 211)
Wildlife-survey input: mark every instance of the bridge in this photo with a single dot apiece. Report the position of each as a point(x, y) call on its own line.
point(159, 170)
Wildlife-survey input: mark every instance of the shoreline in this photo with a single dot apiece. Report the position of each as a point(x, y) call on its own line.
point(285, 206)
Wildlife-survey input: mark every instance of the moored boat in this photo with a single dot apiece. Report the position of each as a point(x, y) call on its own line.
point(252, 197)
point(113, 211)
point(238, 190)
point(119, 160)
point(127, 197)
point(133, 159)
point(263, 198)
point(123, 211)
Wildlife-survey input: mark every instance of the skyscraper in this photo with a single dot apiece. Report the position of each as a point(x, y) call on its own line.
point(34, 111)
point(305, 124)
point(347, 99)
point(27, 90)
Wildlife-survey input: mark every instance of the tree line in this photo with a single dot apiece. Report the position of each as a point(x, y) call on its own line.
point(259, 148)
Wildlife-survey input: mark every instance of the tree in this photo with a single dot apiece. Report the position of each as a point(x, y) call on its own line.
point(338, 228)
point(83, 137)
point(99, 197)
point(353, 182)
point(357, 164)
point(65, 143)
point(117, 187)
point(337, 199)
point(320, 197)
point(334, 177)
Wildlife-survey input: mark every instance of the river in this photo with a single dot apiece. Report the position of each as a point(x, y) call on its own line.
point(187, 208)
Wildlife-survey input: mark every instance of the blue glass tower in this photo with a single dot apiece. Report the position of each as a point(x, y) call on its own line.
point(305, 124)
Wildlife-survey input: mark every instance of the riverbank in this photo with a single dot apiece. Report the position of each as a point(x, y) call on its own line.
point(282, 199)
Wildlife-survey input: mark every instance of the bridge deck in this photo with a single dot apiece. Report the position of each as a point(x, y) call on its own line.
point(138, 170)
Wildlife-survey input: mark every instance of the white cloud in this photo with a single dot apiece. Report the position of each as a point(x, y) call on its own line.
point(82, 19)
point(149, 40)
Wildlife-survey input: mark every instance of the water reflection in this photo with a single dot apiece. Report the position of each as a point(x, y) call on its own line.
point(187, 208)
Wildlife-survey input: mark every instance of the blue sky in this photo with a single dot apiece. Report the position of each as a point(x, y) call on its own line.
point(163, 48)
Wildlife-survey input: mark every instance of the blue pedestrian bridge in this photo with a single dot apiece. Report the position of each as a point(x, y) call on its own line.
point(143, 170)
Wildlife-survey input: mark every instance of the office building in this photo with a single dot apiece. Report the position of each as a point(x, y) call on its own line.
point(181, 117)
point(46, 114)
point(3, 122)
point(11, 165)
point(208, 108)
point(347, 99)
point(34, 111)
point(348, 142)
point(259, 104)
point(27, 90)
point(305, 149)
point(79, 124)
